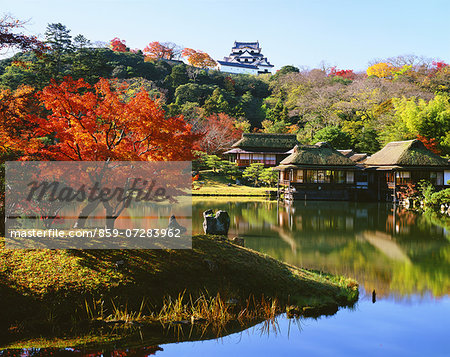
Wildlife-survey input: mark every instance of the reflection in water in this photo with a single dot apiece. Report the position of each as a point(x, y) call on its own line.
point(401, 259)
point(144, 340)
point(85, 352)
point(392, 251)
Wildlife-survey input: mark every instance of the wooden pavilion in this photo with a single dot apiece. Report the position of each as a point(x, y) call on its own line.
point(401, 163)
point(268, 149)
point(317, 172)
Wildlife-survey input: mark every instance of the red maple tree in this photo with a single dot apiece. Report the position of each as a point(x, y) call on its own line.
point(10, 39)
point(103, 123)
point(118, 45)
point(219, 133)
point(439, 65)
point(156, 51)
point(16, 130)
point(99, 123)
point(431, 144)
point(344, 73)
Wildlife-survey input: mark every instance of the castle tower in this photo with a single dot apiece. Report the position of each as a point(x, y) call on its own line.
point(246, 58)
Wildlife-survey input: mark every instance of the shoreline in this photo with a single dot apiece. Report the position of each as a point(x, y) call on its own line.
point(227, 195)
point(47, 288)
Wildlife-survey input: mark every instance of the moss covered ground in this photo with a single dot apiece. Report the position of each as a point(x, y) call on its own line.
point(214, 184)
point(57, 288)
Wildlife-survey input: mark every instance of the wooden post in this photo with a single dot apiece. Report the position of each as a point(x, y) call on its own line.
point(278, 212)
point(377, 176)
point(278, 187)
point(394, 198)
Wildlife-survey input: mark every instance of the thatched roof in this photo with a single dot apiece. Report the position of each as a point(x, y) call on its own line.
point(320, 154)
point(237, 151)
point(354, 156)
point(406, 153)
point(255, 151)
point(347, 152)
point(269, 141)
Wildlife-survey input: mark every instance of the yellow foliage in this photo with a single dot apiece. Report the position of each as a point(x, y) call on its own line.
point(381, 70)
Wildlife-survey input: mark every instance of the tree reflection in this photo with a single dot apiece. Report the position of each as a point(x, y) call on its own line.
point(396, 252)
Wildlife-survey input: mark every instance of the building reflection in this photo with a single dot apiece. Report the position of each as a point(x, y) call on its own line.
point(385, 248)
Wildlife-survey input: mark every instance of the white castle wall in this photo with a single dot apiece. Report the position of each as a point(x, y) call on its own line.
point(237, 70)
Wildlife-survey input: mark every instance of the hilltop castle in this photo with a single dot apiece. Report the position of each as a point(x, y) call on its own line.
point(246, 58)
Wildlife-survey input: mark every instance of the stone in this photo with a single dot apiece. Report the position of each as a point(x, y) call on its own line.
point(223, 222)
point(173, 224)
point(218, 224)
point(209, 224)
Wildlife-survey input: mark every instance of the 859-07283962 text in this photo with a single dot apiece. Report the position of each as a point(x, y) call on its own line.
point(98, 232)
point(98, 205)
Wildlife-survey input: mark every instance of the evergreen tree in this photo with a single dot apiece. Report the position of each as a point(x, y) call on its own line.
point(268, 176)
point(179, 76)
point(334, 136)
point(81, 42)
point(253, 172)
point(278, 113)
point(57, 36)
point(216, 103)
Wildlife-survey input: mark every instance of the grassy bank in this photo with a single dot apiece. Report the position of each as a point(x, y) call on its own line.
point(59, 288)
point(213, 184)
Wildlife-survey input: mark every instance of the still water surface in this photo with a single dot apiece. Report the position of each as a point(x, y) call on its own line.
point(404, 257)
point(401, 260)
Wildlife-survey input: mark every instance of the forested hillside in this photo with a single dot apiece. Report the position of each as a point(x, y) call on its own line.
point(399, 98)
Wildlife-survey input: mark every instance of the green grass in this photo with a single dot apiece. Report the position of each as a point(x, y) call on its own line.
point(214, 184)
point(45, 289)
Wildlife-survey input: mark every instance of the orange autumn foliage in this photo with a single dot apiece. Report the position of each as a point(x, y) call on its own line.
point(156, 50)
point(16, 129)
point(99, 123)
point(430, 143)
point(198, 58)
point(118, 45)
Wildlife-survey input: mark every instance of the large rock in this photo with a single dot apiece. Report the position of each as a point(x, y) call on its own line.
point(216, 224)
point(173, 224)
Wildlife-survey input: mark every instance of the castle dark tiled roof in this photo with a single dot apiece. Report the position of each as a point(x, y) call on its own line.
point(247, 55)
point(254, 45)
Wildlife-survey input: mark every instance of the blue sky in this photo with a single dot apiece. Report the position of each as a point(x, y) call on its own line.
point(345, 33)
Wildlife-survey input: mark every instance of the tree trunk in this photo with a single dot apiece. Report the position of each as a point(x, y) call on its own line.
point(110, 221)
point(84, 214)
point(110, 216)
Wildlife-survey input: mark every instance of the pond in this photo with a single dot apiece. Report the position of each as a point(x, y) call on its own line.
point(401, 260)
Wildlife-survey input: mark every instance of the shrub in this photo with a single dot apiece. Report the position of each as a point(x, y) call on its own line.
point(440, 198)
point(427, 189)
